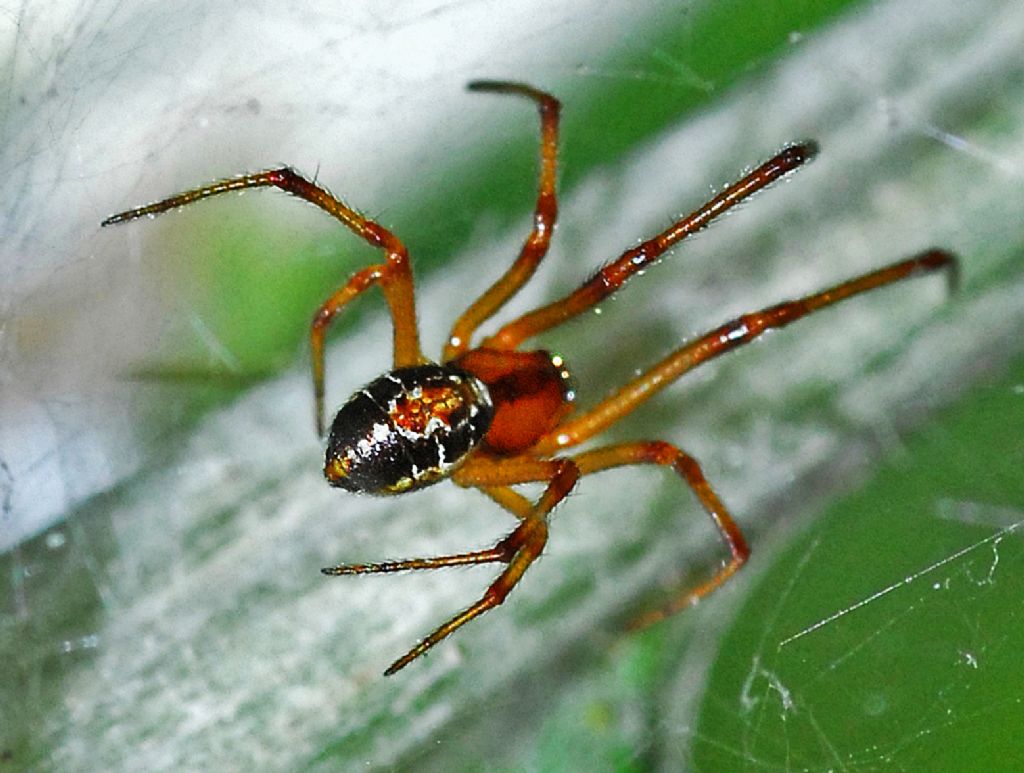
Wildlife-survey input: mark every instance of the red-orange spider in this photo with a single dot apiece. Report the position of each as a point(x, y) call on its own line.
point(491, 416)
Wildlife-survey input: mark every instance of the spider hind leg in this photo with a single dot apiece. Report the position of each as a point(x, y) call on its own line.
point(518, 550)
point(667, 455)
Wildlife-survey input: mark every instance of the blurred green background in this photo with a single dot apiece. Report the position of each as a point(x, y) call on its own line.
point(922, 677)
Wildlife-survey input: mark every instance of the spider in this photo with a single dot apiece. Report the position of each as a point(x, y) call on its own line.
point(491, 416)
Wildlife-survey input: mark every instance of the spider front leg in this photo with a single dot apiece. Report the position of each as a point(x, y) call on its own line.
point(394, 275)
point(518, 550)
point(545, 213)
point(665, 454)
point(613, 276)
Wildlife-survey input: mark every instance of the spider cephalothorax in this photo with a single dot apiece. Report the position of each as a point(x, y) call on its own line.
point(492, 417)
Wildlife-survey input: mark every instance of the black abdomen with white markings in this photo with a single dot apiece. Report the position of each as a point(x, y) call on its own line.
point(407, 429)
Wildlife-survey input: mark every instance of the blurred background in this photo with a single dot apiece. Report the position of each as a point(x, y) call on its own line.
point(162, 512)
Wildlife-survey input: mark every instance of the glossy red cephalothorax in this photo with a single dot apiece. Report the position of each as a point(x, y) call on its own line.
point(492, 416)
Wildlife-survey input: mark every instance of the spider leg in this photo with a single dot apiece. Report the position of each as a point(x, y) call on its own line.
point(528, 540)
point(545, 212)
point(509, 500)
point(612, 276)
point(657, 452)
point(726, 338)
point(518, 550)
point(499, 553)
point(394, 275)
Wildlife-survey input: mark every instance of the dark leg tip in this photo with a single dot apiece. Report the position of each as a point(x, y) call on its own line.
point(801, 152)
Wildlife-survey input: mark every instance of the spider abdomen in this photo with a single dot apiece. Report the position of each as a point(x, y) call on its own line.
point(407, 429)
